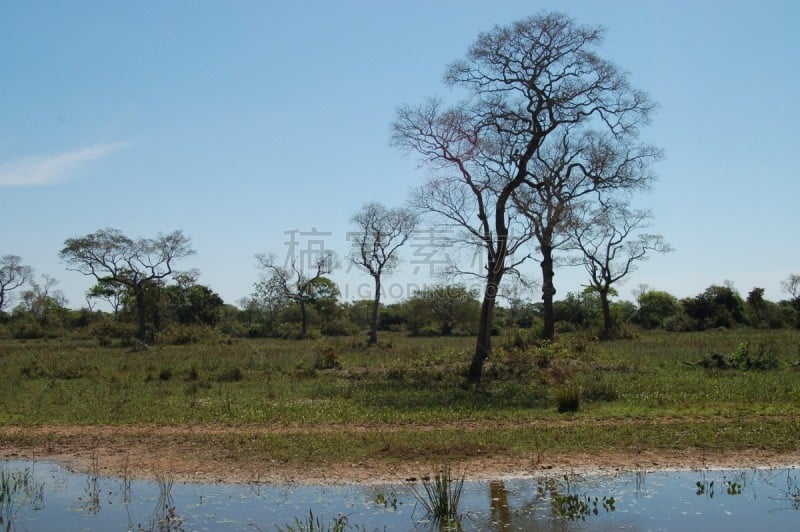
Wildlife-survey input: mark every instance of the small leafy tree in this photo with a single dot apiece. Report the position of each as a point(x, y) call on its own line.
point(717, 306)
point(655, 307)
point(442, 309)
point(110, 292)
point(189, 303)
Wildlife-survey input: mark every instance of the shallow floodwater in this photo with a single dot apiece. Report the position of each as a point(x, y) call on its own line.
point(48, 497)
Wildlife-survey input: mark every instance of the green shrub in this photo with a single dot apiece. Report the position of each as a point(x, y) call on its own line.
point(27, 330)
point(597, 388)
point(108, 328)
point(742, 358)
point(186, 334)
point(519, 338)
point(680, 323)
point(338, 327)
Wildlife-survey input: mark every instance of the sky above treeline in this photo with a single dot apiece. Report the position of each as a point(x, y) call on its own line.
point(257, 126)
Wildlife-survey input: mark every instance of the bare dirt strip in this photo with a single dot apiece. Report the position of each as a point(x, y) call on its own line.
point(184, 454)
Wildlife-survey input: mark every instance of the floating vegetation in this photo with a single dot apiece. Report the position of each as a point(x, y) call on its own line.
point(574, 506)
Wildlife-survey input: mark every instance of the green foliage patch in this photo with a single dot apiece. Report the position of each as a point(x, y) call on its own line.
point(409, 396)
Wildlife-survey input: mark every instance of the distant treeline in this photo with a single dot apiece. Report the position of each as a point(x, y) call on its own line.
point(185, 312)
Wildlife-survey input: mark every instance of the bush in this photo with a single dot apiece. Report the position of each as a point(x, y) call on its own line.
point(186, 334)
point(108, 328)
point(742, 358)
point(230, 374)
point(328, 358)
point(519, 338)
point(338, 327)
point(568, 397)
point(680, 323)
point(599, 389)
point(26, 329)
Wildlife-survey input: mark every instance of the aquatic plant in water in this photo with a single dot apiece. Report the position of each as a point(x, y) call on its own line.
point(315, 524)
point(18, 488)
point(440, 498)
point(573, 506)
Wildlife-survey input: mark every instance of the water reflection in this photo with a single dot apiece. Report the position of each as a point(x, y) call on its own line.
point(500, 512)
point(44, 496)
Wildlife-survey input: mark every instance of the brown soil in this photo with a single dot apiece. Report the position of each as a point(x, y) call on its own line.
point(178, 452)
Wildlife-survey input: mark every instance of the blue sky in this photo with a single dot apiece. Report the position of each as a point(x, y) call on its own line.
point(238, 122)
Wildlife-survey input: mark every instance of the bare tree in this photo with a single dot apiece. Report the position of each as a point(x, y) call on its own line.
point(40, 299)
point(292, 283)
point(526, 82)
point(379, 234)
point(792, 287)
point(570, 167)
point(13, 275)
point(611, 244)
point(115, 259)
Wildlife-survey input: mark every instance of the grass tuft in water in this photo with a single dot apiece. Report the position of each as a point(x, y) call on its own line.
point(18, 488)
point(310, 523)
point(440, 498)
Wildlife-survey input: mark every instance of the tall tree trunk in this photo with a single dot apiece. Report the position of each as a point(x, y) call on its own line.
point(303, 319)
point(140, 313)
point(373, 322)
point(548, 291)
point(605, 334)
point(483, 346)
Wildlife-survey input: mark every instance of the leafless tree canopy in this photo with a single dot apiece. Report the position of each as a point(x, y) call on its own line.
point(13, 275)
point(792, 286)
point(379, 234)
point(537, 78)
point(293, 283)
point(575, 165)
point(611, 242)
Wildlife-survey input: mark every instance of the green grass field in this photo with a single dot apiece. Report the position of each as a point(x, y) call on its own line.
point(337, 399)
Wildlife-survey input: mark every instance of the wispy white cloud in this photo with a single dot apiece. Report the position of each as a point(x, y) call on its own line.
point(56, 168)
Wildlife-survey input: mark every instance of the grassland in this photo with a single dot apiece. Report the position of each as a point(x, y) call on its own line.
point(247, 405)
